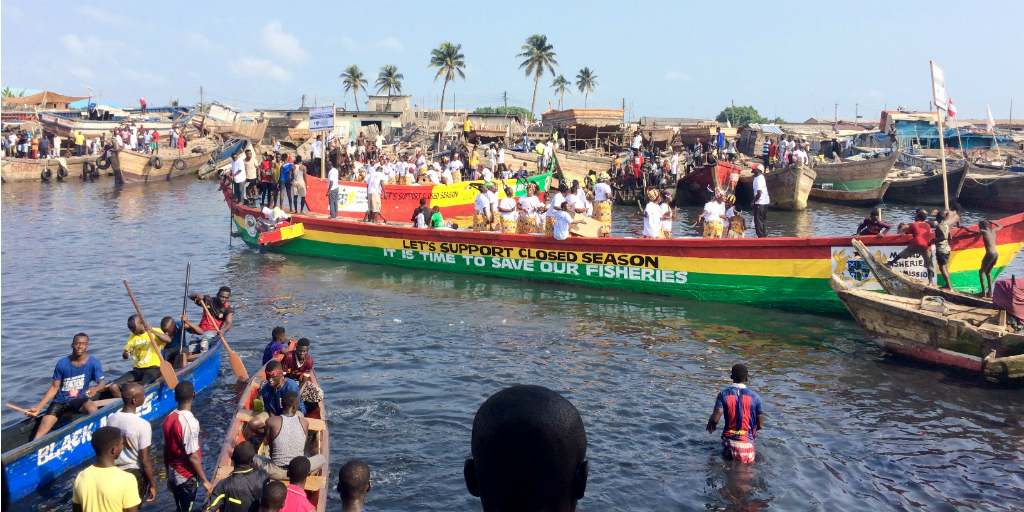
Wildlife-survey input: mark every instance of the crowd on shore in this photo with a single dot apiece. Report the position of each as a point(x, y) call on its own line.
point(40, 144)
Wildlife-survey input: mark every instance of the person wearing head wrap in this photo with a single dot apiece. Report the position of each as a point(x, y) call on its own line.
point(481, 211)
point(652, 215)
point(603, 205)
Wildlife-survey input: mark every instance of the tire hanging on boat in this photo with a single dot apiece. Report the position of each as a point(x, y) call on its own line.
point(179, 164)
point(62, 172)
point(103, 163)
point(89, 169)
point(46, 174)
point(156, 162)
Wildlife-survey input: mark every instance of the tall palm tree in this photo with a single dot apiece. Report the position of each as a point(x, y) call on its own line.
point(11, 93)
point(586, 80)
point(389, 78)
point(354, 81)
point(449, 62)
point(559, 85)
point(539, 56)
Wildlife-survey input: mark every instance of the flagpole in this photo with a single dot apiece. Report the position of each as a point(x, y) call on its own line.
point(952, 113)
point(939, 93)
point(942, 147)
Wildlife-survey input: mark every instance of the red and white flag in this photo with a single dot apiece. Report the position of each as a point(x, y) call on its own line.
point(951, 110)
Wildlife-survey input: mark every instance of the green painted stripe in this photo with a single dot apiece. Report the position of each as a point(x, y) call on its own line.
point(852, 185)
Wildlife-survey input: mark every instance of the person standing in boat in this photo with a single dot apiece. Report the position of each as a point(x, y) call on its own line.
point(492, 196)
point(942, 249)
point(714, 217)
point(68, 391)
point(760, 202)
point(668, 214)
point(652, 215)
point(508, 212)
point(603, 205)
point(221, 311)
point(529, 208)
point(555, 204)
point(987, 229)
point(299, 186)
point(920, 243)
point(374, 190)
point(741, 408)
point(482, 211)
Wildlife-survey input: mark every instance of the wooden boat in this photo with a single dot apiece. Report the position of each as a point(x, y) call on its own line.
point(64, 127)
point(317, 442)
point(788, 188)
point(692, 189)
point(863, 174)
point(790, 273)
point(632, 197)
point(28, 464)
point(299, 134)
point(995, 189)
point(932, 330)
point(925, 188)
point(853, 198)
point(573, 166)
point(133, 167)
point(399, 201)
point(899, 284)
point(27, 169)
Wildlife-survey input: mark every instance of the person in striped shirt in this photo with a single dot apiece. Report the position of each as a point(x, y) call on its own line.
point(765, 149)
point(743, 417)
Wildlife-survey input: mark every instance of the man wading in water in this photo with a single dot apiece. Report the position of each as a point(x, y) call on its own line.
point(740, 406)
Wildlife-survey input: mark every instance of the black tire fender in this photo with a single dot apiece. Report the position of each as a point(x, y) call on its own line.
point(89, 169)
point(103, 163)
point(62, 172)
point(179, 163)
point(156, 162)
point(46, 174)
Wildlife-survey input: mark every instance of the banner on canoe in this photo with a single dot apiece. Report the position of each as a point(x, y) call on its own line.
point(850, 267)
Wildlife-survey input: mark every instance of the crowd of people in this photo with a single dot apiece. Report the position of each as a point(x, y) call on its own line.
point(41, 144)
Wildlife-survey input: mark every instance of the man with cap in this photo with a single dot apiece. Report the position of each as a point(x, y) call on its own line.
point(743, 417)
point(760, 202)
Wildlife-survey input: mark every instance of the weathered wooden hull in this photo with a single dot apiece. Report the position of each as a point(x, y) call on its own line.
point(131, 167)
point(927, 190)
point(318, 440)
point(28, 465)
point(860, 198)
point(574, 166)
point(996, 190)
point(933, 332)
point(692, 189)
point(854, 176)
point(789, 188)
point(27, 169)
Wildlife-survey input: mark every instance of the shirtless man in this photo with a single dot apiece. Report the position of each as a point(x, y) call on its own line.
point(987, 230)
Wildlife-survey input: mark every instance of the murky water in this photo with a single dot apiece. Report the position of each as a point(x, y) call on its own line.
point(406, 357)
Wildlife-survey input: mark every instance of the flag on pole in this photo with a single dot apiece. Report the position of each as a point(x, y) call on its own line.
point(990, 123)
point(951, 110)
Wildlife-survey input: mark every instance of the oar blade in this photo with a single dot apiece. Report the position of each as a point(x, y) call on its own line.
point(167, 372)
point(238, 367)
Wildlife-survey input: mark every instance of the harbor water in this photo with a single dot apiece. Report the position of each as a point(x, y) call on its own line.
point(406, 357)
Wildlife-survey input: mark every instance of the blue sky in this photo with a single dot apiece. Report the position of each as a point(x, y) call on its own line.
point(677, 59)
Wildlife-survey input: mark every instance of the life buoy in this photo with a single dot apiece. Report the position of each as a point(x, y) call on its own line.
point(103, 163)
point(179, 163)
point(46, 174)
point(156, 162)
point(89, 169)
point(62, 172)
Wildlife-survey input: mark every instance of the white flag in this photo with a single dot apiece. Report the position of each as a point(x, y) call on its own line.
point(991, 123)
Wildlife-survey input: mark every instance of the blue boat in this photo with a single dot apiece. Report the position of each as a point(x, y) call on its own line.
point(28, 465)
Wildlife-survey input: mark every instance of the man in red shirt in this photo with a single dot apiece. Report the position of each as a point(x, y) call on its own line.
point(773, 153)
point(920, 243)
point(293, 369)
point(182, 458)
point(296, 501)
point(223, 316)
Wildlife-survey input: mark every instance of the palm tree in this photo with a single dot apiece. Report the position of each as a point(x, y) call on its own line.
point(586, 80)
point(539, 56)
point(559, 86)
point(450, 63)
point(389, 78)
point(10, 93)
point(353, 81)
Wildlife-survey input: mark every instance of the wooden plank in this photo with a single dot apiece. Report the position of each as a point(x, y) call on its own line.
point(589, 228)
point(316, 424)
point(313, 482)
point(244, 415)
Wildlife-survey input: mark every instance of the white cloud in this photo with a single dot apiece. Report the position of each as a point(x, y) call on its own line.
point(194, 41)
point(675, 76)
point(13, 13)
point(282, 44)
point(101, 16)
point(350, 44)
point(391, 44)
point(248, 67)
point(81, 72)
point(74, 44)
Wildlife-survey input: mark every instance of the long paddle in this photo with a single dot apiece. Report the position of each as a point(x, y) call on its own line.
point(237, 365)
point(19, 409)
point(179, 360)
point(166, 371)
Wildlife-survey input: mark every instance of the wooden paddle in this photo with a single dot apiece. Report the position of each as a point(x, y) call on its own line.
point(19, 409)
point(237, 365)
point(166, 370)
point(182, 358)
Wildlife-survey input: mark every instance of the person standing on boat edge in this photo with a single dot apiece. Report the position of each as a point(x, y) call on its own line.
point(137, 434)
point(145, 362)
point(743, 417)
point(102, 487)
point(987, 229)
point(333, 188)
point(237, 173)
point(920, 243)
point(68, 390)
point(221, 311)
point(374, 191)
point(251, 169)
point(183, 460)
point(760, 202)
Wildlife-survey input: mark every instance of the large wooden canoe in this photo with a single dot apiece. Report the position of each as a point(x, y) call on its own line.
point(28, 464)
point(899, 284)
point(934, 331)
point(995, 189)
point(317, 442)
point(854, 175)
point(27, 169)
point(925, 188)
point(852, 198)
point(789, 273)
point(789, 188)
point(132, 167)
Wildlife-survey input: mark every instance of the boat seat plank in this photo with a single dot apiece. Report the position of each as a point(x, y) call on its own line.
point(317, 424)
point(313, 482)
point(244, 415)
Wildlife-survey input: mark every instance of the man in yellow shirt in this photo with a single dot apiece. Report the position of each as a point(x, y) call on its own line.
point(145, 362)
point(79, 142)
point(466, 128)
point(103, 487)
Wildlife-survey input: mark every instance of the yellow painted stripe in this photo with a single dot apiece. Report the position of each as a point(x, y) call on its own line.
point(458, 194)
point(970, 259)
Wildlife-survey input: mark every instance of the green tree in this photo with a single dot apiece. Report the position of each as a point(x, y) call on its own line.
point(559, 85)
point(450, 63)
point(539, 56)
point(354, 81)
point(11, 93)
point(517, 111)
point(586, 80)
point(390, 79)
point(744, 115)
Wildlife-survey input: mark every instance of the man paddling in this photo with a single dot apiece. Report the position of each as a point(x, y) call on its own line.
point(68, 390)
point(223, 316)
point(145, 362)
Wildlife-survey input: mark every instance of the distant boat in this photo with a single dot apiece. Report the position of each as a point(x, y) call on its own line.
point(47, 169)
point(851, 198)
point(789, 188)
point(857, 180)
point(134, 167)
point(925, 188)
point(988, 187)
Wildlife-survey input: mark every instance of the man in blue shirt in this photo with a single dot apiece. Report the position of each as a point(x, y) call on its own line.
point(740, 406)
point(278, 344)
point(68, 390)
point(276, 386)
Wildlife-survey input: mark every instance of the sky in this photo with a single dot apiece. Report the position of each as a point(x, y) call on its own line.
point(790, 59)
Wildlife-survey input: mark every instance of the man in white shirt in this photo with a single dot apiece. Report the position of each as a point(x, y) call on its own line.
point(492, 156)
point(316, 152)
point(486, 174)
point(761, 202)
point(501, 156)
point(173, 136)
point(434, 174)
point(237, 174)
point(674, 162)
point(374, 190)
point(563, 222)
point(138, 436)
point(549, 153)
point(638, 141)
point(333, 188)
